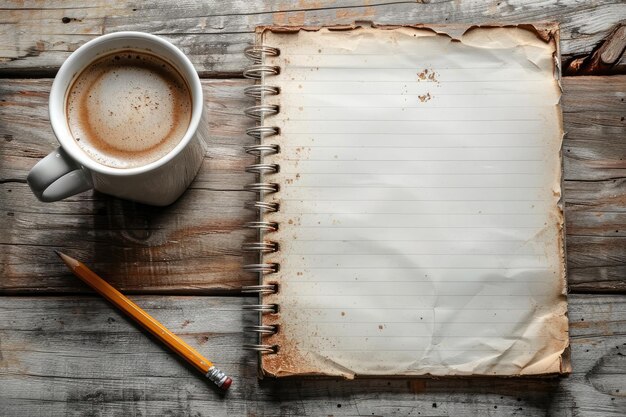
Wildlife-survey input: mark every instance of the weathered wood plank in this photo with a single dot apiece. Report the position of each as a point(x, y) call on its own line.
point(605, 60)
point(594, 157)
point(78, 356)
point(35, 37)
point(193, 246)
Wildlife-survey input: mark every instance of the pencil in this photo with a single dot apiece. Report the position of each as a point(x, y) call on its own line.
point(148, 322)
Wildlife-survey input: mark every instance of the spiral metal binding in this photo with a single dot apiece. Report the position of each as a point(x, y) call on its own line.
point(262, 348)
point(263, 247)
point(259, 90)
point(264, 226)
point(263, 168)
point(260, 71)
point(269, 330)
point(262, 150)
point(260, 132)
point(262, 206)
point(256, 52)
point(263, 308)
point(259, 112)
point(265, 268)
point(268, 187)
point(260, 289)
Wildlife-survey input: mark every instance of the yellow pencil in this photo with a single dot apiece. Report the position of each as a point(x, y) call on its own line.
point(148, 322)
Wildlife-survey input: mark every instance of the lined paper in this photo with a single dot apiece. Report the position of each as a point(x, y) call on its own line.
point(419, 187)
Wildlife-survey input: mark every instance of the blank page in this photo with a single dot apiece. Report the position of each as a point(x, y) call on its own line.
point(420, 230)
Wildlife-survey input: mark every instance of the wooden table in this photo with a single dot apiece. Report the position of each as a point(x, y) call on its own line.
point(64, 351)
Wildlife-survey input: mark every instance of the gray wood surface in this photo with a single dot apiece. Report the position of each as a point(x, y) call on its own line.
point(605, 59)
point(66, 353)
point(36, 37)
point(193, 247)
point(78, 357)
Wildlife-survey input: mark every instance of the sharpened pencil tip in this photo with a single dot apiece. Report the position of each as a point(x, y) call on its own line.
point(68, 260)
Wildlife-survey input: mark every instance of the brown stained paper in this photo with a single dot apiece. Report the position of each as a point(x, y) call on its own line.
point(421, 226)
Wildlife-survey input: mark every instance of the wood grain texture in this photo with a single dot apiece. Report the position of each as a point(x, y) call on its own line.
point(36, 37)
point(64, 356)
point(605, 59)
point(594, 158)
point(194, 245)
point(191, 246)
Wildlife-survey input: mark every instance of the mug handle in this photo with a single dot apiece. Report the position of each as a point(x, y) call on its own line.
point(56, 177)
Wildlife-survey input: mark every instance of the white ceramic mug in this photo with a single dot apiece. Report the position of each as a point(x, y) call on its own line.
point(69, 170)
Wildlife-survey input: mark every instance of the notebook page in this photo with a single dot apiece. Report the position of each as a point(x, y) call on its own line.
point(420, 231)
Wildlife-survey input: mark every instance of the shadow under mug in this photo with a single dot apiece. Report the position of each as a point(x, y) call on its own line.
point(68, 170)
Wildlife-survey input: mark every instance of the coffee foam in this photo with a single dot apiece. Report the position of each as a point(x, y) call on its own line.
point(128, 109)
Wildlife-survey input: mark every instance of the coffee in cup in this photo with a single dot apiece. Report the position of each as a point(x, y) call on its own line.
point(128, 109)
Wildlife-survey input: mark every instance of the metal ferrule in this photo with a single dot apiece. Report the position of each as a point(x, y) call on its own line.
point(217, 376)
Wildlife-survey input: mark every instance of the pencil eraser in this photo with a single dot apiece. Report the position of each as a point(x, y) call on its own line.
point(226, 383)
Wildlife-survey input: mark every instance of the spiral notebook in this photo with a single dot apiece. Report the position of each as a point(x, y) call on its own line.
point(409, 199)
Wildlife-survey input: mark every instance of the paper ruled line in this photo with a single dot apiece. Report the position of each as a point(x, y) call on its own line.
point(308, 106)
point(384, 322)
point(377, 294)
point(427, 310)
point(411, 160)
point(412, 240)
point(412, 187)
point(435, 94)
point(416, 56)
point(425, 336)
point(412, 281)
point(395, 254)
point(423, 267)
point(438, 349)
point(289, 132)
point(416, 79)
point(423, 200)
point(421, 213)
point(415, 147)
point(418, 227)
point(407, 173)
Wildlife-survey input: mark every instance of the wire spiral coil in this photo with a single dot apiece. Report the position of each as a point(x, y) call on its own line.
point(259, 70)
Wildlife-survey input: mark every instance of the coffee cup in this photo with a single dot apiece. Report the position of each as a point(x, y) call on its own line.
point(127, 110)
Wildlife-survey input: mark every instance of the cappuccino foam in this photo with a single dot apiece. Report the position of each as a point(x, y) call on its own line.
point(128, 109)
